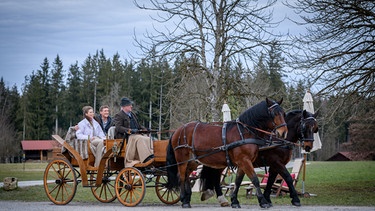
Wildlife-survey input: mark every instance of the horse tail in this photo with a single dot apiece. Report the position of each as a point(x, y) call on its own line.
point(171, 166)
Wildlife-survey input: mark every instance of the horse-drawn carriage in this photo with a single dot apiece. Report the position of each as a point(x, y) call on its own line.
point(233, 143)
point(110, 180)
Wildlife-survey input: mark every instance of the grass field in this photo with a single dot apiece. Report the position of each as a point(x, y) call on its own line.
point(334, 183)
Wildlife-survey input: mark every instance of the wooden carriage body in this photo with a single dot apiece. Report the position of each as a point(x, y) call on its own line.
point(111, 178)
point(116, 148)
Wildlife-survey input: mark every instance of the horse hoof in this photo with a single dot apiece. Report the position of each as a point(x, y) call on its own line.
point(297, 204)
point(236, 206)
point(224, 204)
point(266, 206)
point(207, 194)
point(223, 201)
point(186, 206)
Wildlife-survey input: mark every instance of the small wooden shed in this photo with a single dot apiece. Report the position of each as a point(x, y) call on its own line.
point(39, 149)
point(341, 156)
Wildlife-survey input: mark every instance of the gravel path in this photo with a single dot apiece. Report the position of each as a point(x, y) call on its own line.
point(116, 206)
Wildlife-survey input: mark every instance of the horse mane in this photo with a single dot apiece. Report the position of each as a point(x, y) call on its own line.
point(255, 115)
point(295, 112)
point(259, 114)
point(292, 113)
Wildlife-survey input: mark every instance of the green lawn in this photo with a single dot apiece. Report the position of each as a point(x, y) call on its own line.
point(334, 183)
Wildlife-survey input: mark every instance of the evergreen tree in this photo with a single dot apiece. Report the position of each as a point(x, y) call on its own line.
point(293, 99)
point(88, 90)
point(104, 78)
point(45, 112)
point(141, 84)
point(261, 82)
point(9, 144)
point(73, 96)
point(116, 82)
point(165, 83)
point(37, 108)
point(127, 79)
point(274, 65)
point(14, 107)
point(57, 86)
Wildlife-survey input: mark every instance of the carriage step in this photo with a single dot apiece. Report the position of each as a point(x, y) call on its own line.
point(140, 165)
point(91, 168)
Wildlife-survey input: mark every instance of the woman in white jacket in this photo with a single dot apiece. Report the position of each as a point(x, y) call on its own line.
point(89, 128)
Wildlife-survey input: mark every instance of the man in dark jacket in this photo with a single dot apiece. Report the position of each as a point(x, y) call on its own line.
point(139, 147)
point(104, 119)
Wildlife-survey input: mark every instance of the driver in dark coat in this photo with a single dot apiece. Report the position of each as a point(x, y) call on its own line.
point(139, 147)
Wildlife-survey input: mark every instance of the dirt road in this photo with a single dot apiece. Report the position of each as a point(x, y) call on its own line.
point(116, 206)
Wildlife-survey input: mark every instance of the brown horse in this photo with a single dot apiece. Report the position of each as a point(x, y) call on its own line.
point(233, 143)
point(301, 127)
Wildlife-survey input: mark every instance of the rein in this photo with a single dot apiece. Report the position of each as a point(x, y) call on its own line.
point(260, 130)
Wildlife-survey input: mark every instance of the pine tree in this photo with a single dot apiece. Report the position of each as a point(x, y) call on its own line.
point(88, 89)
point(37, 110)
point(9, 144)
point(57, 86)
point(73, 96)
point(274, 65)
point(104, 78)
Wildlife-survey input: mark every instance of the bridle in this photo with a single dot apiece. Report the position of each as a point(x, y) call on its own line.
point(303, 129)
point(271, 111)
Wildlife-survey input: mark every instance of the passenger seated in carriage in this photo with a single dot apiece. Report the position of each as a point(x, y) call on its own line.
point(89, 128)
point(138, 147)
point(104, 119)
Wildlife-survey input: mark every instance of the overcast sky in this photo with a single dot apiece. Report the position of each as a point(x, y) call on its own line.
point(31, 30)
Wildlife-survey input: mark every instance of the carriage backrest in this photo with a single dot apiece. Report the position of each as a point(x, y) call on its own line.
point(80, 145)
point(111, 132)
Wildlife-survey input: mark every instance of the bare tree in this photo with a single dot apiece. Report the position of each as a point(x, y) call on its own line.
point(337, 53)
point(219, 33)
point(338, 50)
point(9, 146)
point(112, 99)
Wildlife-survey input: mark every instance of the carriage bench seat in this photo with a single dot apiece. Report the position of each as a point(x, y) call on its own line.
point(159, 146)
point(80, 145)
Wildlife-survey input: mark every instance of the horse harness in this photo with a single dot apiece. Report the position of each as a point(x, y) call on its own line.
point(263, 143)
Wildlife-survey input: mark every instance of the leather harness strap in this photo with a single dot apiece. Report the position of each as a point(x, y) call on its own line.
point(225, 147)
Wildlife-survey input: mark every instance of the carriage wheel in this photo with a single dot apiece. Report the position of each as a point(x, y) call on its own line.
point(106, 191)
point(60, 181)
point(166, 195)
point(130, 187)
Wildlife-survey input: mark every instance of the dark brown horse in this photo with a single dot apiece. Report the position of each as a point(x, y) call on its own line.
point(301, 127)
point(220, 145)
